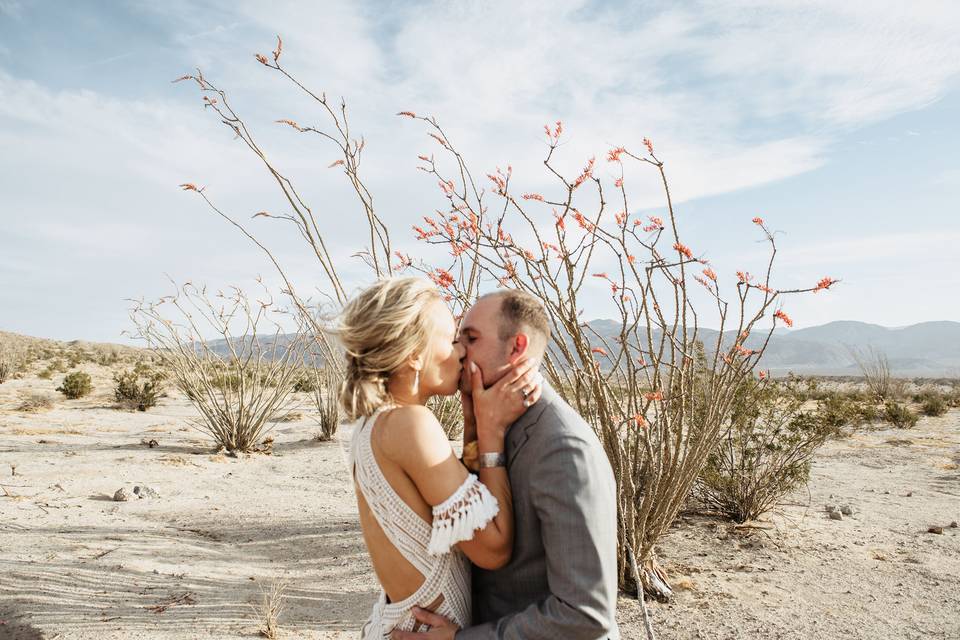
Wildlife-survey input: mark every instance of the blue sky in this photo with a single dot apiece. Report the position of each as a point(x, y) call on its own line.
point(836, 122)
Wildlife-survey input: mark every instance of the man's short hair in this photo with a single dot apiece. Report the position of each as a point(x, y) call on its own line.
point(521, 311)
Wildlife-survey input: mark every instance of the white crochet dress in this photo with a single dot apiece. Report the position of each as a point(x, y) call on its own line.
point(428, 547)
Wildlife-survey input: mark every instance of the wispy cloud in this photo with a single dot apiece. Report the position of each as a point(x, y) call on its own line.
point(735, 95)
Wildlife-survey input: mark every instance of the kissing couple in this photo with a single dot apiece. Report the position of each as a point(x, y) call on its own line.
point(515, 540)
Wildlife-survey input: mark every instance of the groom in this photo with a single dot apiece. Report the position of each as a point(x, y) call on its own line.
point(561, 581)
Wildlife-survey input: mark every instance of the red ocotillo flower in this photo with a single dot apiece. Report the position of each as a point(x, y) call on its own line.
point(710, 273)
point(599, 350)
point(648, 144)
point(783, 316)
point(758, 221)
point(276, 54)
point(614, 154)
point(682, 248)
point(533, 196)
point(409, 114)
point(639, 420)
point(744, 276)
point(824, 284)
point(653, 395)
point(442, 278)
point(586, 173)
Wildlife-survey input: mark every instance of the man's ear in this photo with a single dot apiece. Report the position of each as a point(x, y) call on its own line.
point(521, 344)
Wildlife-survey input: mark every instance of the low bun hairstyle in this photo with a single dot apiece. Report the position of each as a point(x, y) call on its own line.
point(380, 328)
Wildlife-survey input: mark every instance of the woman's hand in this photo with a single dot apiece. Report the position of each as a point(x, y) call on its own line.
point(502, 404)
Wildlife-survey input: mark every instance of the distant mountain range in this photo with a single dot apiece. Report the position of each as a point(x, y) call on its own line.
point(928, 349)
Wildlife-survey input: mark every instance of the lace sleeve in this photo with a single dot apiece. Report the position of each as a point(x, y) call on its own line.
point(470, 508)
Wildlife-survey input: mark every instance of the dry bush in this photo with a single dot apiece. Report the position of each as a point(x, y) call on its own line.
point(326, 394)
point(899, 415)
point(76, 385)
point(765, 451)
point(657, 407)
point(271, 606)
point(32, 402)
point(241, 381)
point(6, 368)
point(933, 402)
point(840, 410)
point(138, 388)
point(875, 368)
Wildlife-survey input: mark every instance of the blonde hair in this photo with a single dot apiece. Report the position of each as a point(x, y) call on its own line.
point(380, 329)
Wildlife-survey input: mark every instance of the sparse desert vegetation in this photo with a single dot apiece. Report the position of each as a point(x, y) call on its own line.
point(213, 533)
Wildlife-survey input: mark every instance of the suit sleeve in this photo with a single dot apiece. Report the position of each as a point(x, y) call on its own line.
point(574, 495)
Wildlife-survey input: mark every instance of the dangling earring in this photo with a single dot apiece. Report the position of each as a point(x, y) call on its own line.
point(416, 383)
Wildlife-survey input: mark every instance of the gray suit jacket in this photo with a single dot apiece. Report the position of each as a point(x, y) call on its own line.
point(561, 581)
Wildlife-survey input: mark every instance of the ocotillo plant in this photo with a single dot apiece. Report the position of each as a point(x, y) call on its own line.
point(655, 394)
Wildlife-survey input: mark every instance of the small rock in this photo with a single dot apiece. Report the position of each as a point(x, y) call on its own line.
point(937, 530)
point(122, 495)
point(909, 493)
point(846, 510)
point(829, 508)
point(145, 492)
point(953, 525)
point(836, 515)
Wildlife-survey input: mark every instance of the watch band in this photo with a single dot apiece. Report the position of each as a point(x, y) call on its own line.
point(488, 460)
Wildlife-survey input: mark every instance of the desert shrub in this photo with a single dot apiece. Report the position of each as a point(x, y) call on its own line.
point(765, 451)
point(58, 365)
point(449, 413)
point(326, 393)
point(934, 404)
point(5, 369)
point(952, 397)
point(875, 368)
point(107, 357)
point(306, 382)
point(899, 415)
point(138, 389)
point(838, 410)
point(76, 385)
point(45, 374)
point(240, 385)
point(35, 402)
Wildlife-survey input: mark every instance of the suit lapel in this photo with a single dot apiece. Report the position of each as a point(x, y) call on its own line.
point(518, 434)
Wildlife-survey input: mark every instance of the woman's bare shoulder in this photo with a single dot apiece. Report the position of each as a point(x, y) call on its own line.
point(412, 434)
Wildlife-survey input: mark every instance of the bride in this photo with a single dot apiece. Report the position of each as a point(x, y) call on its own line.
point(424, 516)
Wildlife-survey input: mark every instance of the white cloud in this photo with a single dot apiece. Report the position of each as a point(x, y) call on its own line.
point(733, 94)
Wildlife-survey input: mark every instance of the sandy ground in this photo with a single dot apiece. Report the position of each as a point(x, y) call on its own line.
point(194, 561)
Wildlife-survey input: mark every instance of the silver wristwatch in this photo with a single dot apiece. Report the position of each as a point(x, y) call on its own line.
point(488, 460)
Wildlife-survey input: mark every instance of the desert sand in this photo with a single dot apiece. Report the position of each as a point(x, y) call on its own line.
point(194, 561)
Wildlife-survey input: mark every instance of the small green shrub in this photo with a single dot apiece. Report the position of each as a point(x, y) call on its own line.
point(899, 415)
point(765, 451)
point(46, 374)
point(5, 369)
point(76, 385)
point(934, 405)
point(138, 389)
point(306, 383)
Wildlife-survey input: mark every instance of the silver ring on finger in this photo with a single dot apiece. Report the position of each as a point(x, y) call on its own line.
point(524, 392)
